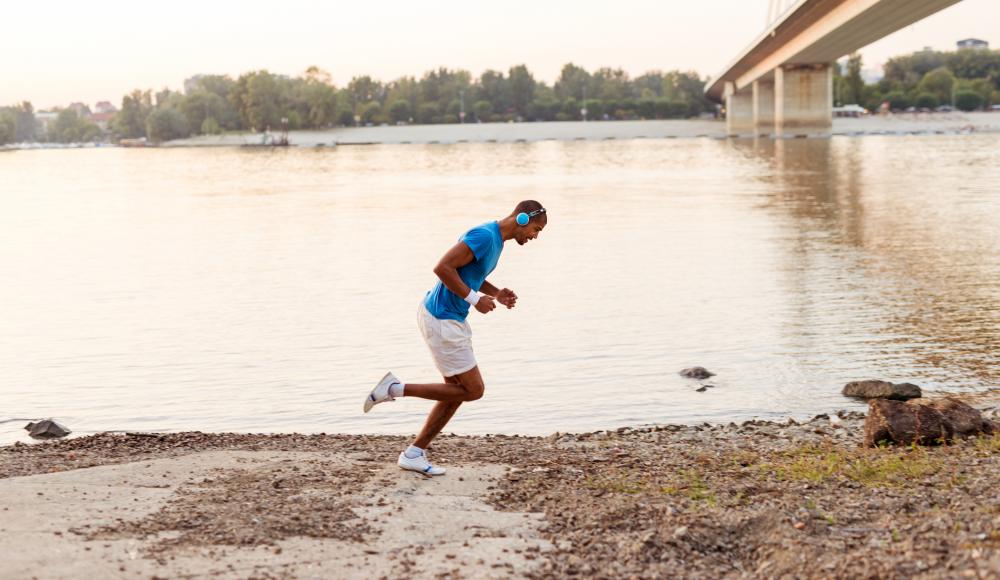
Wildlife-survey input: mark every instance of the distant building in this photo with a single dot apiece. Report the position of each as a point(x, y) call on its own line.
point(973, 43)
point(105, 107)
point(102, 120)
point(80, 109)
point(104, 111)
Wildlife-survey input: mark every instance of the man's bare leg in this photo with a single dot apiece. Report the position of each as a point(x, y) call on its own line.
point(450, 392)
point(444, 409)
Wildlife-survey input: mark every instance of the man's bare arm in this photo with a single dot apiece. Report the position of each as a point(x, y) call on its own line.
point(489, 289)
point(447, 268)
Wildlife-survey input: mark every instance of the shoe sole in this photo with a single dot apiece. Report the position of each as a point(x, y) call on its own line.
point(424, 473)
point(370, 399)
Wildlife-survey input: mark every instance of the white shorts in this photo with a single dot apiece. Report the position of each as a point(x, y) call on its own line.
point(450, 342)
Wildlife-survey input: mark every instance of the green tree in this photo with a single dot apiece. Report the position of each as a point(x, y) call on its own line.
point(429, 113)
point(371, 112)
point(362, 90)
point(545, 106)
point(166, 124)
point(493, 87)
point(939, 83)
point(570, 109)
point(898, 100)
point(405, 89)
point(908, 70)
point(483, 111)
point(202, 105)
point(130, 122)
point(572, 83)
point(221, 86)
point(522, 89)
point(646, 108)
point(854, 84)
point(595, 109)
point(68, 127)
point(927, 101)
point(210, 126)
point(968, 100)
point(345, 116)
point(8, 126)
point(25, 124)
point(400, 111)
point(667, 109)
point(258, 99)
point(319, 98)
point(611, 85)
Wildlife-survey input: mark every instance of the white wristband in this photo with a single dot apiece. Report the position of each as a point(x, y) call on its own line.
point(472, 298)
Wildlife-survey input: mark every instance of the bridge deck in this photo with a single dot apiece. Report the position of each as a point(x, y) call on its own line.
point(820, 31)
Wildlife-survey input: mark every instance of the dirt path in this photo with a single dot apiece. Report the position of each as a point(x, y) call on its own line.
point(239, 514)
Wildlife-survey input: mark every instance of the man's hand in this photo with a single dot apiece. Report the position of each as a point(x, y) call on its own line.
point(485, 304)
point(507, 298)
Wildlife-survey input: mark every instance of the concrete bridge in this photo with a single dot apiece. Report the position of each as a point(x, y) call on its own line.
point(782, 84)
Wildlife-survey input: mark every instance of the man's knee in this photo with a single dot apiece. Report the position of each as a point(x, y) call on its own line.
point(473, 389)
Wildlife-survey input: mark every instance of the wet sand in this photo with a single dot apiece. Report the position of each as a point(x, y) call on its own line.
point(755, 500)
point(904, 123)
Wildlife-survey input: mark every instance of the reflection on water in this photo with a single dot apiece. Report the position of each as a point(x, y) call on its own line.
point(266, 290)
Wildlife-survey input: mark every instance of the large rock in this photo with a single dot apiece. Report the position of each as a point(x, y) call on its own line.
point(965, 421)
point(696, 373)
point(46, 429)
point(882, 390)
point(922, 422)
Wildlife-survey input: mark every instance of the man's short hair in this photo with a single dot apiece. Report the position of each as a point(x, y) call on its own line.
point(529, 205)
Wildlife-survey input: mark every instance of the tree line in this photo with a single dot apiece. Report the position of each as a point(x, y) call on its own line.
point(261, 100)
point(967, 79)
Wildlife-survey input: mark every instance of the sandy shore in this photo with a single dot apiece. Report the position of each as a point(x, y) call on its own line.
point(754, 500)
point(908, 123)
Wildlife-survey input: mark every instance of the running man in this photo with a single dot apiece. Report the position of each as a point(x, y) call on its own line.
point(441, 318)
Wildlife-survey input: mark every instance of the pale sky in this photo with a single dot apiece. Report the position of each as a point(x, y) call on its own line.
point(60, 51)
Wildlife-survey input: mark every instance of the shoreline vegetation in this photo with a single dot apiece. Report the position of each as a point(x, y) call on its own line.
point(897, 124)
point(260, 101)
point(759, 499)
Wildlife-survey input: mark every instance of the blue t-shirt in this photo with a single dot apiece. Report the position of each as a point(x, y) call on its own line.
point(486, 244)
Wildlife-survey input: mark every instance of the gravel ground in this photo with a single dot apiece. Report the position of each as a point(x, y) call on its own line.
point(754, 500)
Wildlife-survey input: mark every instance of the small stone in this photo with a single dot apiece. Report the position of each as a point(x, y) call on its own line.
point(875, 389)
point(680, 532)
point(696, 373)
point(47, 429)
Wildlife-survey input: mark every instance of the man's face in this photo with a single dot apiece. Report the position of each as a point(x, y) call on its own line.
point(529, 232)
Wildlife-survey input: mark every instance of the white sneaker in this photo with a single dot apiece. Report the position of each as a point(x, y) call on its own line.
point(419, 463)
point(380, 393)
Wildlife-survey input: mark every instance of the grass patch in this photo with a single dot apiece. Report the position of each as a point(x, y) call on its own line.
point(869, 467)
point(987, 444)
point(693, 486)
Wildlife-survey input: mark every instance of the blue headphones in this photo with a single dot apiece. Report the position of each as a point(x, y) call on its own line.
point(524, 218)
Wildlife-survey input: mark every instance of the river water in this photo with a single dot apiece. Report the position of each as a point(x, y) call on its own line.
point(266, 291)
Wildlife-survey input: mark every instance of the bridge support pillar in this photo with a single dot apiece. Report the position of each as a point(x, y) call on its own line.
point(763, 108)
point(803, 100)
point(739, 111)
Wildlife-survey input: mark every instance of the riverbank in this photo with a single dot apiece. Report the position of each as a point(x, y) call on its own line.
point(896, 124)
point(760, 499)
point(915, 123)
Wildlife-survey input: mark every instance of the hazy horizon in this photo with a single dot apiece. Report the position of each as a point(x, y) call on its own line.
point(99, 55)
